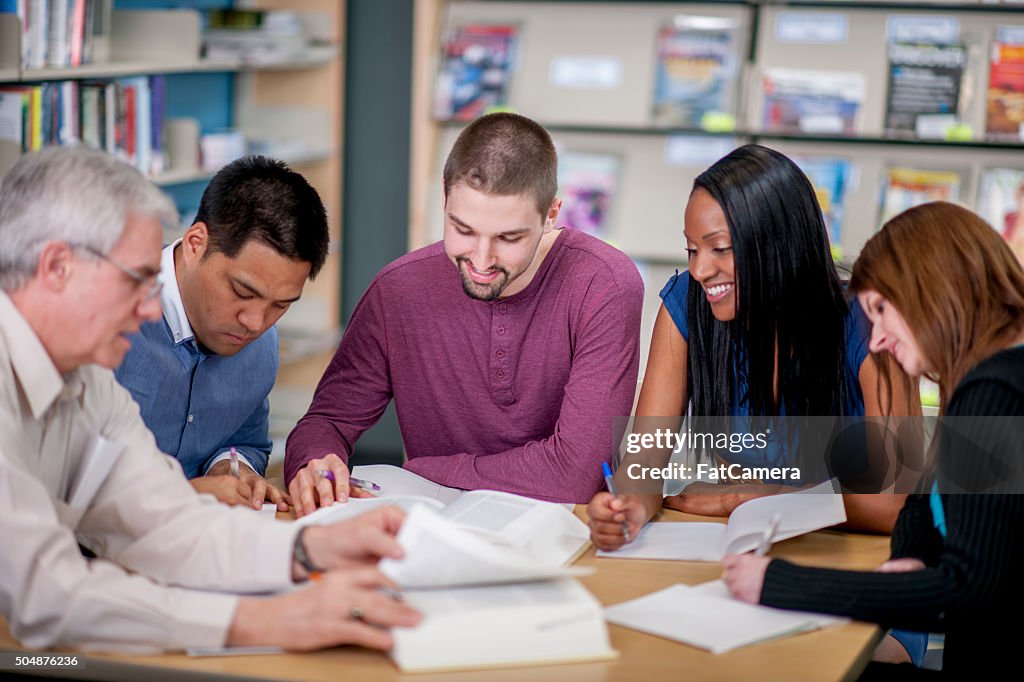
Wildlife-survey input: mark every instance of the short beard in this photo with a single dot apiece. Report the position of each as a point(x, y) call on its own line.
point(482, 292)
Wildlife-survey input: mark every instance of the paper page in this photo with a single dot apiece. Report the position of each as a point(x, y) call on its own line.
point(718, 588)
point(93, 469)
point(684, 614)
point(674, 541)
point(340, 511)
point(440, 554)
point(548, 532)
point(801, 512)
point(546, 593)
point(398, 481)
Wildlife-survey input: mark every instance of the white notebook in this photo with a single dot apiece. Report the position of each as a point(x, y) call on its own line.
point(707, 617)
point(800, 512)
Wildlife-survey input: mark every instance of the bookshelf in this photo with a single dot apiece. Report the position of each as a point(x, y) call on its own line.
point(609, 109)
point(293, 106)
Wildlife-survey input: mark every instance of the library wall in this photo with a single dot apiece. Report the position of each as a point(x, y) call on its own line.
point(640, 97)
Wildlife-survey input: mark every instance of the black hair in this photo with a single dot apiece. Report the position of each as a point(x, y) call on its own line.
point(262, 199)
point(789, 297)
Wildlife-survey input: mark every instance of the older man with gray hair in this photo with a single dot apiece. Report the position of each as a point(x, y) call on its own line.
point(80, 236)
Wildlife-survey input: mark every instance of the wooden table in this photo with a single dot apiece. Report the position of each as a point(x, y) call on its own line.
point(832, 654)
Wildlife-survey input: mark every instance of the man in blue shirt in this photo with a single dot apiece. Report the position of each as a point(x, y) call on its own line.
point(202, 373)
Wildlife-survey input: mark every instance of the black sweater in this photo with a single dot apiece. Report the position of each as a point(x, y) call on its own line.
point(972, 586)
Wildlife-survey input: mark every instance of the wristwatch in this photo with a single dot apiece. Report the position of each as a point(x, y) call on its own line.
point(301, 556)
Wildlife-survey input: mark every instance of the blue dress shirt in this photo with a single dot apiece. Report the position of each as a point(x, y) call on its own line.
point(200, 405)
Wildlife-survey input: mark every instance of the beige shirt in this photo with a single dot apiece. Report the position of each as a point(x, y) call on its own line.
point(160, 543)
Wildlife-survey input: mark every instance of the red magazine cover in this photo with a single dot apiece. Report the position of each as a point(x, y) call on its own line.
point(1005, 119)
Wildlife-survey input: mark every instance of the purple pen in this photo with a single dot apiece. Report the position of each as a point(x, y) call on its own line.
point(354, 482)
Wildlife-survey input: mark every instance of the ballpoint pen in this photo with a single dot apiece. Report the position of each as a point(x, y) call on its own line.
point(769, 535)
point(354, 482)
point(234, 462)
point(607, 471)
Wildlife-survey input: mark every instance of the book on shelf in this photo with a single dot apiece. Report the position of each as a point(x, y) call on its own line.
point(830, 178)
point(1004, 119)
point(708, 617)
point(119, 116)
point(696, 70)
point(812, 102)
point(1001, 203)
point(23, 114)
point(904, 188)
point(799, 512)
point(924, 89)
point(254, 37)
point(63, 33)
point(476, 67)
point(587, 183)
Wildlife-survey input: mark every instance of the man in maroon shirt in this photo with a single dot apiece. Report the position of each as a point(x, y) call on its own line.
point(509, 348)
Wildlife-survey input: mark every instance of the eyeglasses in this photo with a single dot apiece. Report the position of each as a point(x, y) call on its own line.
point(141, 280)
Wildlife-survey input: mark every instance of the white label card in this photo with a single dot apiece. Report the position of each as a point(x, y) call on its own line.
point(811, 27)
point(1010, 35)
point(936, 30)
point(586, 73)
point(696, 150)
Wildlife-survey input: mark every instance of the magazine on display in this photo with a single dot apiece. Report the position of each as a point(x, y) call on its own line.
point(476, 67)
point(1005, 108)
point(1001, 203)
point(831, 179)
point(812, 102)
point(696, 70)
point(904, 188)
point(587, 183)
point(924, 89)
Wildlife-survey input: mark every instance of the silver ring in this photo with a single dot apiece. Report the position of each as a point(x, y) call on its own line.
point(355, 613)
point(322, 473)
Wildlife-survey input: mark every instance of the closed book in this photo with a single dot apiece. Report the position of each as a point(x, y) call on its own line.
point(547, 622)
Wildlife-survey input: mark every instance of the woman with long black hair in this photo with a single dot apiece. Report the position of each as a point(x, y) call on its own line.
point(759, 326)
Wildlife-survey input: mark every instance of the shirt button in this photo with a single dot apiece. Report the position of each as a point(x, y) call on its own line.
point(503, 309)
point(190, 418)
point(500, 354)
point(500, 374)
point(501, 331)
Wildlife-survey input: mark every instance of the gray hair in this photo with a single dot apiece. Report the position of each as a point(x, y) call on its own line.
point(71, 194)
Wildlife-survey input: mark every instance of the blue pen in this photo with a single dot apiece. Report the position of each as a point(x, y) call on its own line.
point(607, 471)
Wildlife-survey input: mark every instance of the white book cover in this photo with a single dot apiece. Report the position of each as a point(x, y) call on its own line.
point(554, 621)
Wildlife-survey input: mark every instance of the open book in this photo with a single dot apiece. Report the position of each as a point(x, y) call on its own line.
point(545, 532)
point(800, 512)
point(440, 552)
point(706, 616)
point(488, 603)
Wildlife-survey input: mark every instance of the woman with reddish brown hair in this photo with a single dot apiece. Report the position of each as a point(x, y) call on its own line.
point(945, 296)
